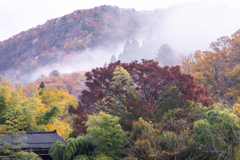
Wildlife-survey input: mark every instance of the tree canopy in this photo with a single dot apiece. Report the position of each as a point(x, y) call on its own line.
point(151, 91)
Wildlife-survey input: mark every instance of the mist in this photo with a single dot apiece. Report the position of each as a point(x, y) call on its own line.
point(193, 26)
point(81, 61)
point(186, 27)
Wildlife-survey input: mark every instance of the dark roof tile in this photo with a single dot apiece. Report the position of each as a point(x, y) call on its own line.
point(32, 139)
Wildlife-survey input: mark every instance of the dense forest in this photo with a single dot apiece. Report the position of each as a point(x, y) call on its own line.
point(169, 106)
point(58, 39)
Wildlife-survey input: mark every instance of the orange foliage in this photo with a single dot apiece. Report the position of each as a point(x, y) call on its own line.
point(72, 83)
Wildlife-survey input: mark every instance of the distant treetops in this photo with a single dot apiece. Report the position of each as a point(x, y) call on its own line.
point(150, 49)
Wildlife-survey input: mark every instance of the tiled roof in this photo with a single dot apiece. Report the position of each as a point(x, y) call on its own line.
point(33, 140)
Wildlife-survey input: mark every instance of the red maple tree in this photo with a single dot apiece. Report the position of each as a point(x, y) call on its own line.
point(155, 85)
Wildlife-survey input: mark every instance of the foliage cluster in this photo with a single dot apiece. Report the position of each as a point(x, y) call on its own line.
point(218, 69)
point(136, 90)
point(72, 83)
point(45, 109)
point(181, 123)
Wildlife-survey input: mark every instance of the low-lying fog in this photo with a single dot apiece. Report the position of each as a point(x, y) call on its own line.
point(186, 28)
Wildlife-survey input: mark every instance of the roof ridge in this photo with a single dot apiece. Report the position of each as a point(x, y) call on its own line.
point(32, 132)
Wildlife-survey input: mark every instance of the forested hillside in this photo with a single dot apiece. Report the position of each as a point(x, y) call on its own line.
point(72, 34)
point(150, 102)
point(81, 38)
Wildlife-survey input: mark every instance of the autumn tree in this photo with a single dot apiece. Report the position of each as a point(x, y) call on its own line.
point(53, 111)
point(47, 111)
point(168, 139)
point(217, 68)
point(153, 84)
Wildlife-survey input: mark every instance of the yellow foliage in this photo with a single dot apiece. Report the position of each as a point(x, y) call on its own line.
point(6, 89)
point(50, 127)
point(199, 78)
point(2, 128)
point(236, 109)
point(43, 108)
point(63, 100)
point(63, 129)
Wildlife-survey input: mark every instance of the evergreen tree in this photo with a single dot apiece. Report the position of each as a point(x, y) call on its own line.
point(130, 52)
point(105, 65)
point(166, 56)
point(113, 59)
point(42, 85)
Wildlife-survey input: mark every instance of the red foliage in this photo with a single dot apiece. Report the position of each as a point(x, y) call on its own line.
point(151, 82)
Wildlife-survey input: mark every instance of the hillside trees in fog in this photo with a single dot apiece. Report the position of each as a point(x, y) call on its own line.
point(165, 55)
point(150, 49)
point(80, 31)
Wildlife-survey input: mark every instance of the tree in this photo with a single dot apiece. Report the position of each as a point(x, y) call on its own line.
point(25, 156)
point(122, 93)
point(73, 149)
point(150, 82)
point(47, 111)
point(105, 65)
point(48, 116)
point(113, 59)
point(42, 85)
point(106, 132)
point(145, 141)
point(54, 73)
point(217, 69)
point(54, 111)
point(217, 135)
point(3, 104)
point(130, 52)
point(166, 56)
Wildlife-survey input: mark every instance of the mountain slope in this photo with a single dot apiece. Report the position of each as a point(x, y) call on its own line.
point(82, 30)
point(84, 38)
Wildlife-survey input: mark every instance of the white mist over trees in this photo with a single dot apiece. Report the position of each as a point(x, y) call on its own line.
point(166, 56)
point(185, 28)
